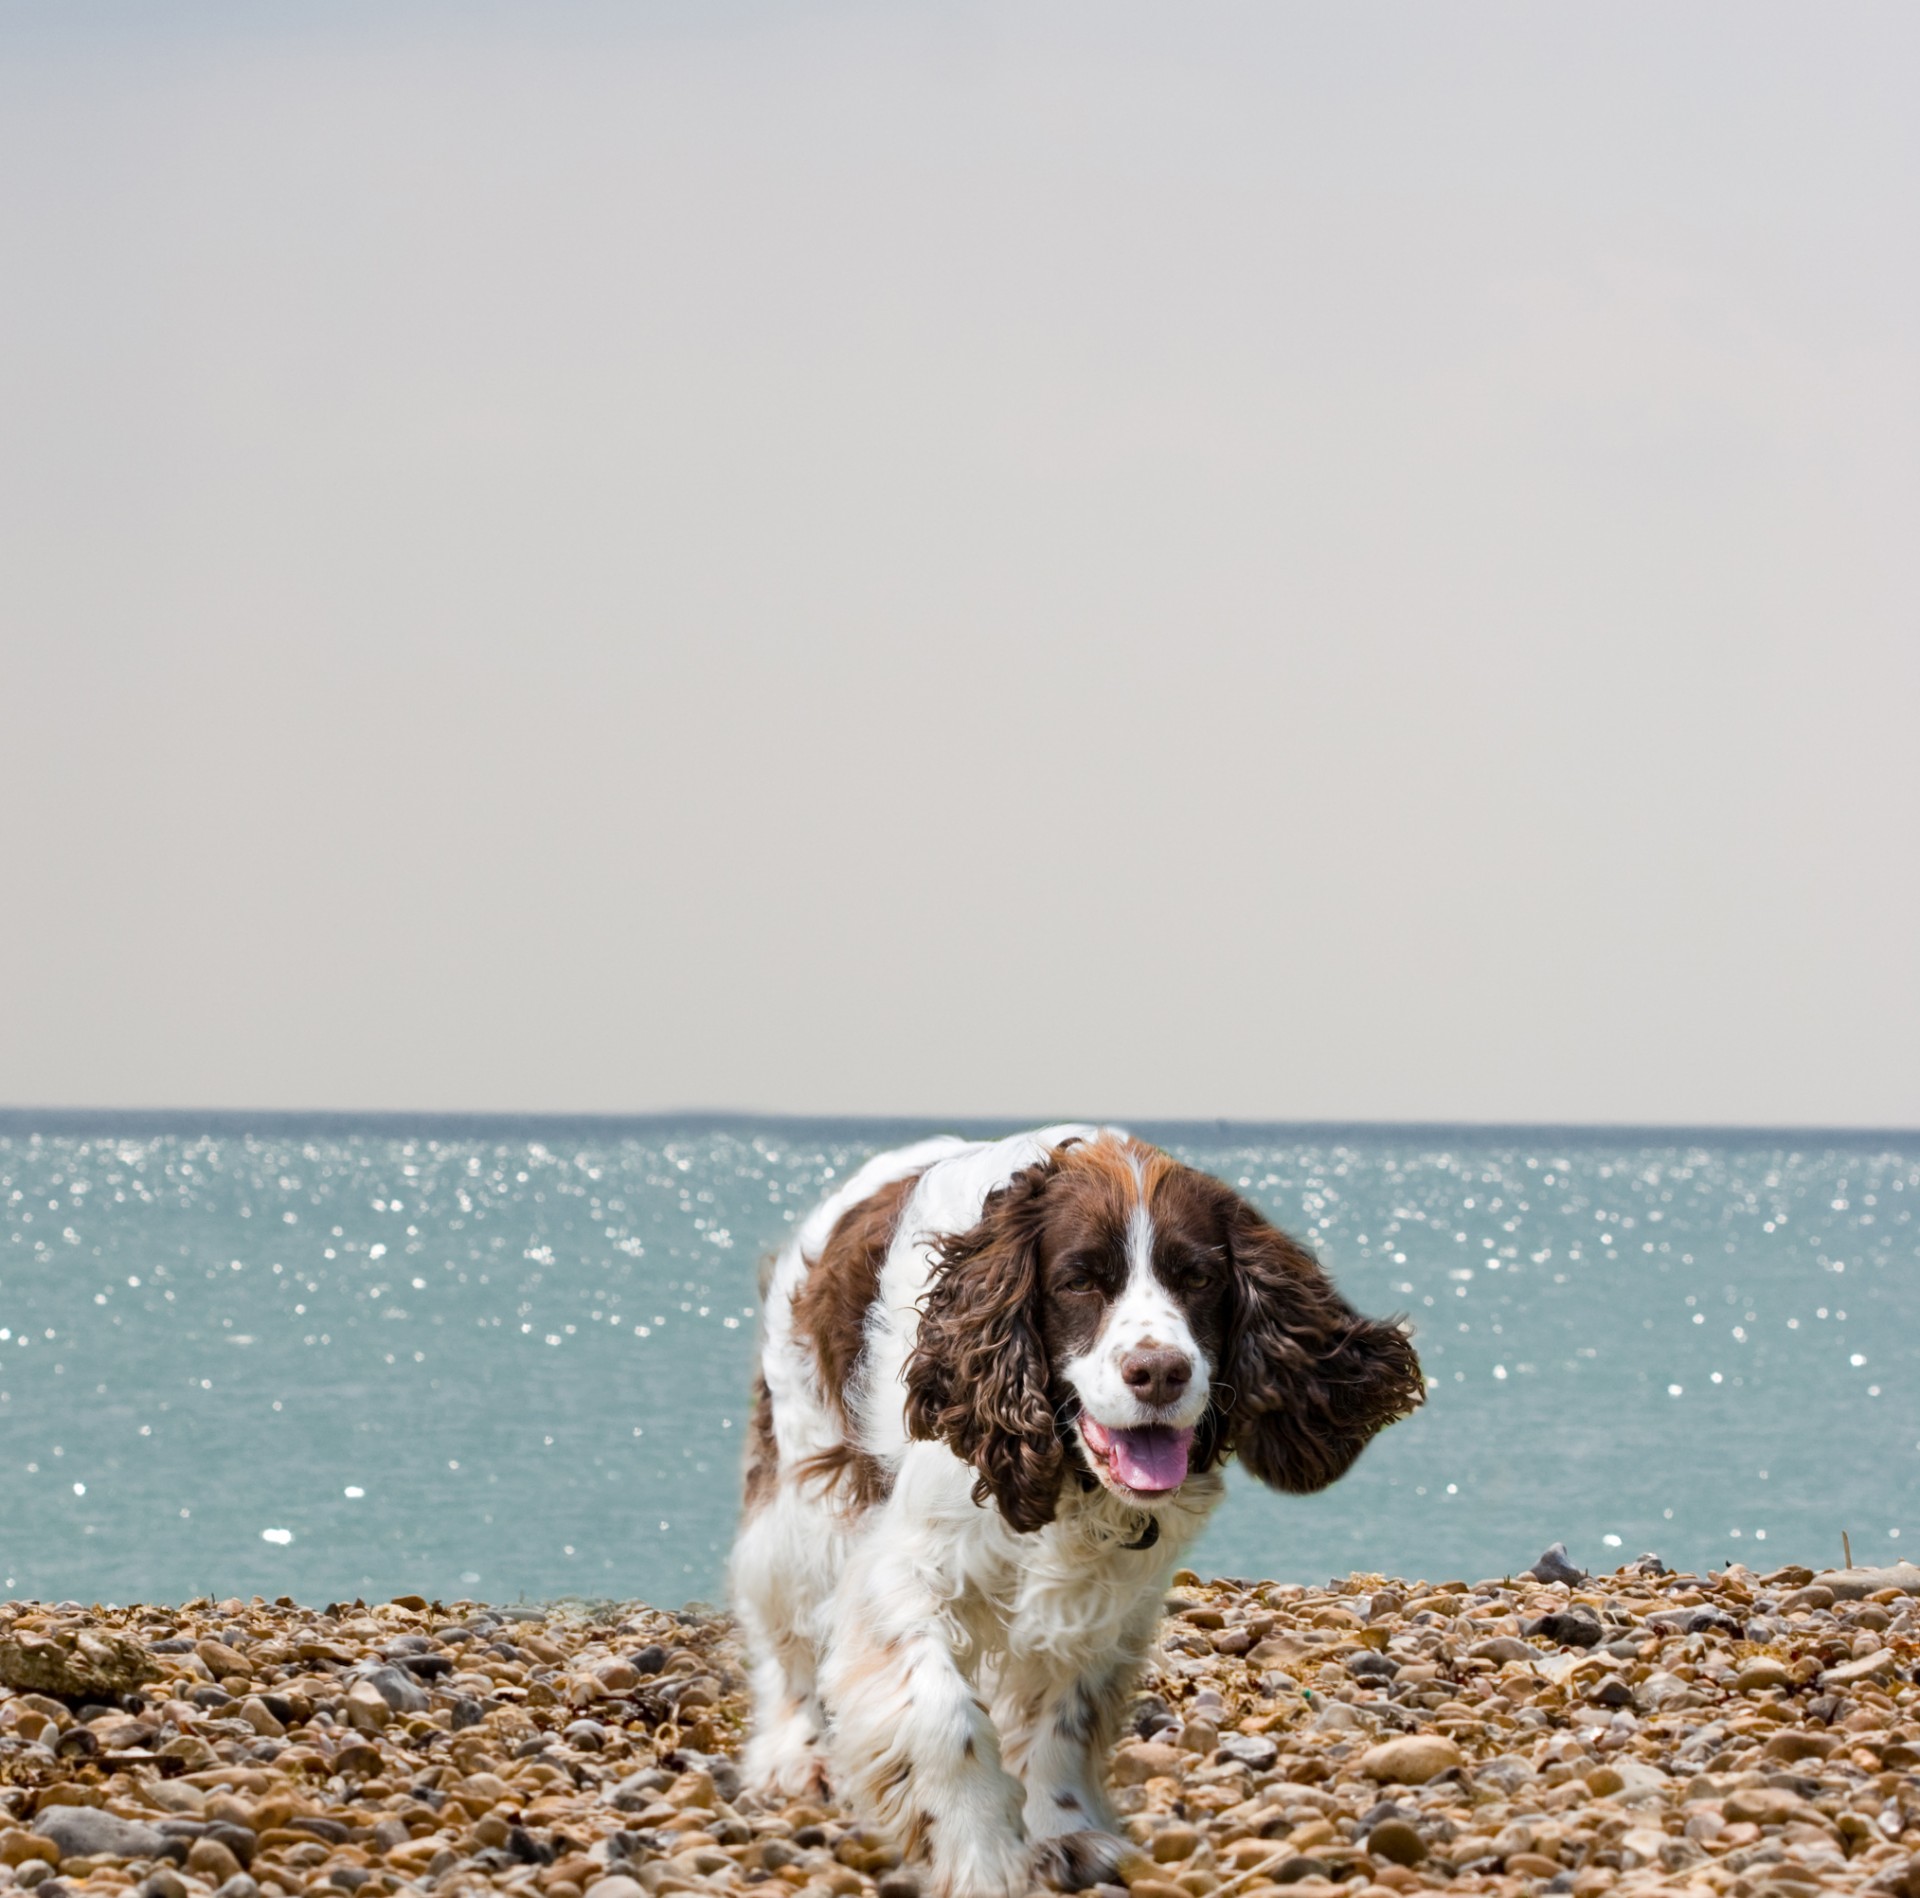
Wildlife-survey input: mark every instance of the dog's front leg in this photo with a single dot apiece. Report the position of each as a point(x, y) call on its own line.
point(910, 1742)
point(1056, 1737)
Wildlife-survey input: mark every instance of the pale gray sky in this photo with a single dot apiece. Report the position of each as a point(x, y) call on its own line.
point(1338, 560)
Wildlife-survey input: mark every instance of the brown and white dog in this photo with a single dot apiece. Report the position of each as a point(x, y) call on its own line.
point(996, 1384)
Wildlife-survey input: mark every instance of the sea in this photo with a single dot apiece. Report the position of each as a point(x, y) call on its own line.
point(329, 1357)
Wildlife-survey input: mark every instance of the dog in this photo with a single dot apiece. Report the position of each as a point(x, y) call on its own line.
point(997, 1381)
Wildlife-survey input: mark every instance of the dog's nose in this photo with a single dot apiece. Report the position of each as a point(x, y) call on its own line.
point(1156, 1374)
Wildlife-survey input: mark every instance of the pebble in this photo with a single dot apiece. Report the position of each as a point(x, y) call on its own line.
point(1869, 1667)
point(1557, 1566)
point(1398, 1843)
point(1503, 1647)
point(1733, 1735)
point(87, 1832)
point(1571, 1627)
point(212, 1861)
point(398, 1689)
point(1252, 1750)
point(1413, 1760)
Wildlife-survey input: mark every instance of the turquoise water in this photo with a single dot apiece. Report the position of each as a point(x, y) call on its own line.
point(331, 1359)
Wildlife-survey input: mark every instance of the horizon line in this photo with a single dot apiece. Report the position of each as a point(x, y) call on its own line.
point(240, 1120)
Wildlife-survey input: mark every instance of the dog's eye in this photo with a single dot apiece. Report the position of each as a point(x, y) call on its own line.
point(1075, 1283)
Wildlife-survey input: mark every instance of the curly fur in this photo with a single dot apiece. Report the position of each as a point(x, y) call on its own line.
point(1310, 1381)
point(965, 1330)
point(977, 1379)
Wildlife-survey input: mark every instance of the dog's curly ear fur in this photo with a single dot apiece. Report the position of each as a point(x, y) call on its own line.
point(977, 1380)
point(1310, 1381)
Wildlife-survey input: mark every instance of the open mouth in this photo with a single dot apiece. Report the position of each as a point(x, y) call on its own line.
point(1151, 1461)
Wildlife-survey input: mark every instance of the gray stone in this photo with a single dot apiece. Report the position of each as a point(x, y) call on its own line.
point(240, 1885)
point(87, 1832)
point(1506, 1770)
point(1571, 1627)
point(1502, 1647)
point(397, 1688)
point(636, 1793)
point(1150, 1716)
point(1252, 1750)
point(1639, 1781)
point(1557, 1566)
point(1336, 1716)
point(1713, 1621)
point(1869, 1667)
point(241, 1841)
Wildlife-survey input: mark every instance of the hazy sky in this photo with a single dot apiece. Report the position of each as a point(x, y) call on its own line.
point(1338, 560)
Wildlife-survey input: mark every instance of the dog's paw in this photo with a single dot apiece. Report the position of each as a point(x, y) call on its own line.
point(1077, 1861)
point(783, 1768)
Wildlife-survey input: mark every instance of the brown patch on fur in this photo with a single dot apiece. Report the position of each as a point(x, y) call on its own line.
point(831, 1308)
point(872, 1666)
point(1109, 1166)
point(830, 1313)
point(1091, 1714)
point(917, 1836)
point(848, 1471)
point(763, 1453)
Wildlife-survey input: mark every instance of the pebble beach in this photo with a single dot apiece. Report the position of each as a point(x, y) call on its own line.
point(1731, 1735)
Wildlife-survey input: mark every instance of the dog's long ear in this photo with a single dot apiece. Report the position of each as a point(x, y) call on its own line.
point(977, 1379)
point(1310, 1381)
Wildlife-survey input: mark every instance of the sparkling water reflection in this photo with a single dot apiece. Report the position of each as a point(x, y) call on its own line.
point(503, 1362)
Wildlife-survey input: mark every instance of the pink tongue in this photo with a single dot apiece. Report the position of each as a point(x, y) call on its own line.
point(1155, 1458)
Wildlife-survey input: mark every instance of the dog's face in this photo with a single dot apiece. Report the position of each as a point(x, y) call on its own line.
point(1135, 1262)
point(1117, 1310)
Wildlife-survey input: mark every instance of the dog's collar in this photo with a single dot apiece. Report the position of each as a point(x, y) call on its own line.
point(1148, 1536)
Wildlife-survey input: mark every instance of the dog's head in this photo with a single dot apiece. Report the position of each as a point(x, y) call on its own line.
point(1116, 1310)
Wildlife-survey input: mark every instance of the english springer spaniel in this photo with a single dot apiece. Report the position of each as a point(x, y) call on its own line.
point(996, 1385)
